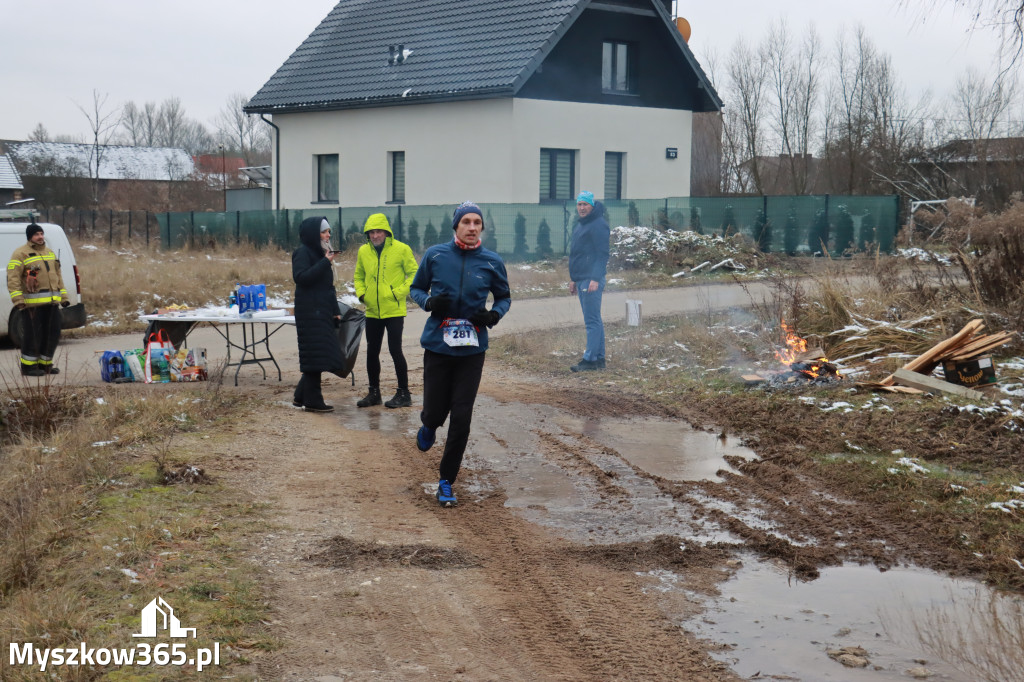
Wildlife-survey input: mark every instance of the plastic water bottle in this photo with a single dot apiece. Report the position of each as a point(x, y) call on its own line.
point(232, 298)
point(165, 371)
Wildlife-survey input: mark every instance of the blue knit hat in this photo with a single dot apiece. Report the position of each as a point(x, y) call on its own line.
point(464, 208)
point(585, 196)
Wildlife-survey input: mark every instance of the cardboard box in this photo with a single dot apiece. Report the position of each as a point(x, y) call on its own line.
point(976, 372)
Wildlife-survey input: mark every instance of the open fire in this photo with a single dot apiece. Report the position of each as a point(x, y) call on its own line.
point(802, 362)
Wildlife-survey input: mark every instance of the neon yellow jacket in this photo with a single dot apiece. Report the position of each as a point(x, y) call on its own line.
point(49, 288)
point(382, 282)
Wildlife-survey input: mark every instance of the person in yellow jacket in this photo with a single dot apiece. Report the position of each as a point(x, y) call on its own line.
point(384, 271)
point(37, 288)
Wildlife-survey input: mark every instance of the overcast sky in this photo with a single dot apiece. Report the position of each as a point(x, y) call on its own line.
point(56, 52)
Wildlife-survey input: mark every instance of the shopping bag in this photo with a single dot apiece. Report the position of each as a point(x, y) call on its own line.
point(189, 364)
point(112, 366)
point(159, 351)
point(134, 361)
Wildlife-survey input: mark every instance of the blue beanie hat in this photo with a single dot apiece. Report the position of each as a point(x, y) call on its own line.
point(585, 196)
point(464, 208)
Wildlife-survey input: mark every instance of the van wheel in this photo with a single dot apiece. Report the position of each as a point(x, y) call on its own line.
point(14, 327)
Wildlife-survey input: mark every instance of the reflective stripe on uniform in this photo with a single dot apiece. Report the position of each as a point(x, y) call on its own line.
point(33, 259)
point(15, 294)
point(13, 264)
point(29, 361)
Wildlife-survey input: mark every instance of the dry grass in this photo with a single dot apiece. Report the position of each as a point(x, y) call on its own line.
point(82, 503)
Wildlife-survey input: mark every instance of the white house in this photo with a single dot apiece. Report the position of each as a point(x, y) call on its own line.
point(518, 101)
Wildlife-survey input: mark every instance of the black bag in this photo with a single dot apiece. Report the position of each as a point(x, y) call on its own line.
point(350, 331)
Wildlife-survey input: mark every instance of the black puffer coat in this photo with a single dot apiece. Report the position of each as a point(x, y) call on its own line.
point(316, 303)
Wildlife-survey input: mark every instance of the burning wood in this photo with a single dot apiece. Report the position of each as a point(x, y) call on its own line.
point(810, 364)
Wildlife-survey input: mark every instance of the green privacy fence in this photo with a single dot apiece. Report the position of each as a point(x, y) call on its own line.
point(790, 224)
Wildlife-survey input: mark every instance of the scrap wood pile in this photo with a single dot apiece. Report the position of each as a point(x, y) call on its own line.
point(966, 344)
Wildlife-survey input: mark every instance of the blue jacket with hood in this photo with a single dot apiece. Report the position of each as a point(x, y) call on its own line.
point(467, 276)
point(588, 249)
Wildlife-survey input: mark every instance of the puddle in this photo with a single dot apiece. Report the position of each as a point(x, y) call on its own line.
point(670, 449)
point(777, 626)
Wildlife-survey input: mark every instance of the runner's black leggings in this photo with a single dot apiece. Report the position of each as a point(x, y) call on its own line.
point(374, 338)
point(450, 383)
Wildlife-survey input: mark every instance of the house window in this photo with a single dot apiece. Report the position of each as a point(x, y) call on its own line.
point(327, 177)
point(557, 174)
point(613, 164)
point(396, 177)
point(615, 67)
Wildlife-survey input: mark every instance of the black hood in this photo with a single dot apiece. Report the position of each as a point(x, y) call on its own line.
point(309, 233)
point(595, 214)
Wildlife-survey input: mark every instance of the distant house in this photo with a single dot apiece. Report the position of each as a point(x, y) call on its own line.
point(438, 101)
point(990, 169)
point(60, 173)
point(10, 182)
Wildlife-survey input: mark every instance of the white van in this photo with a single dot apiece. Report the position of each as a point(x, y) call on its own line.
point(12, 235)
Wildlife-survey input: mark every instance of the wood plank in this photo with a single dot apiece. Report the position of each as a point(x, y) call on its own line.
point(931, 384)
point(752, 378)
point(929, 359)
point(982, 345)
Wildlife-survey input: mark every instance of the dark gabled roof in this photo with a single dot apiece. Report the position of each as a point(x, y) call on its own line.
point(457, 49)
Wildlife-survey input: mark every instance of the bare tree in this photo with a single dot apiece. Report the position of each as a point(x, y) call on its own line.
point(140, 126)
point(240, 132)
point(39, 134)
point(103, 122)
point(794, 73)
point(747, 69)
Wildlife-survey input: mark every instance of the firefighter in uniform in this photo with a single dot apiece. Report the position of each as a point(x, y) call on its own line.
point(37, 288)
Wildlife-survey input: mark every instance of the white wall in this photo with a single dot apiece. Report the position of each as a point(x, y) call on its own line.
point(487, 151)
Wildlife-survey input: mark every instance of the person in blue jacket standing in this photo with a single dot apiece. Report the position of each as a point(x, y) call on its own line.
point(452, 284)
point(588, 266)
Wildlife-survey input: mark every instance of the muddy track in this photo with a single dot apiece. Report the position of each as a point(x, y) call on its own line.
point(544, 570)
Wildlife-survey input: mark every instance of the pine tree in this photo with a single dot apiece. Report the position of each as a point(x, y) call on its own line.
point(695, 223)
point(490, 233)
point(728, 221)
point(633, 215)
point(791, 233)
point(429, 234)
point(354, 234)
point(412, 235)
point(544, 240)
point(867, 230)
point(818, 236)
point(519, 249)
point(844, 231)
point(763, 232)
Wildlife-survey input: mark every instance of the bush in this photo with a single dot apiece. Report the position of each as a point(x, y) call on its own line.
point(763, 232)
point(996, 259)
point(817, 238)
point(844, 231)
point(429, 235)
point(791, 233)
point(519, 249)
point(867, 231)
point(544, 240)
point(412, 235)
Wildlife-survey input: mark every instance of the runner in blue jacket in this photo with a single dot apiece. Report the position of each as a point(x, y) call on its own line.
point(452, 284)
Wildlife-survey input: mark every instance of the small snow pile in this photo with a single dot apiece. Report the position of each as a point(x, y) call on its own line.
point(905, 464)
point(640, 247)
point(1011, 417)
point(923, 256)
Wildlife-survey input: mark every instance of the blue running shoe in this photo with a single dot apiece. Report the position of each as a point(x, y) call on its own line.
point(445, 495)
point(425, 438)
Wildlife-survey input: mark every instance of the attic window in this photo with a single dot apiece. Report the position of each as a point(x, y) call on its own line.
point(616, 67)
point(397, 54)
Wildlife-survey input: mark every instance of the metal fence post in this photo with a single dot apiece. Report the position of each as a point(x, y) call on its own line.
point(147, 227)
point(238, 227)
point(110, 226)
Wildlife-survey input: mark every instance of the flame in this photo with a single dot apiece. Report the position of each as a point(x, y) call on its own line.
point(794, 346)
point(797, 346)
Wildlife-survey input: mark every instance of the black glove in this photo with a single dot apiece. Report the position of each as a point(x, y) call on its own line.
point(484, 318)
point(438, 306)
point(65, 304)
point(362, 298)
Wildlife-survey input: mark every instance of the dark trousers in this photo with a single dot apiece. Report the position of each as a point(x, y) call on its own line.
point(450, 383)
point(374, 338)
point(308, 392)
point(40, 335)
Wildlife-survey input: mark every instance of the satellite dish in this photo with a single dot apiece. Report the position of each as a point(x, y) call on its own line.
point(684, 28)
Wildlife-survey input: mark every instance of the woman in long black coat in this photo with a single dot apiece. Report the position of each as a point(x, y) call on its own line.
point(317, 314)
